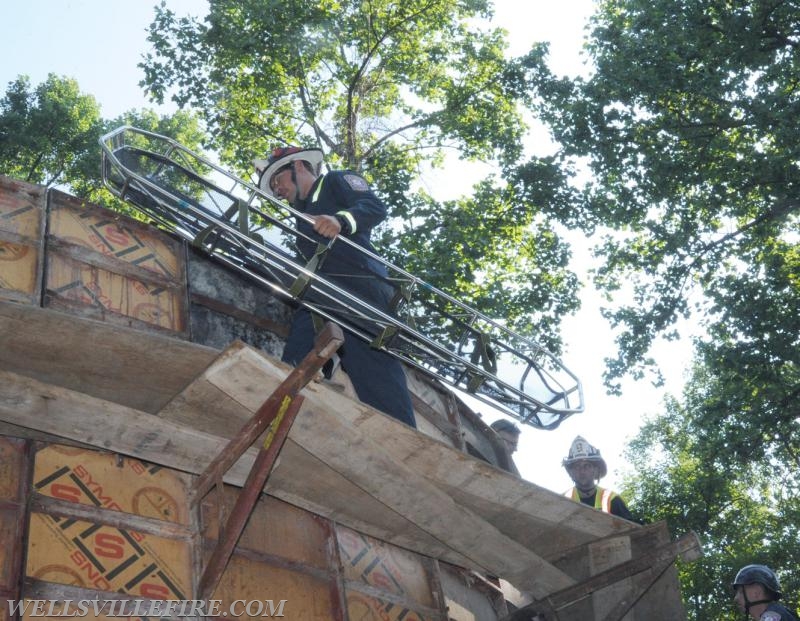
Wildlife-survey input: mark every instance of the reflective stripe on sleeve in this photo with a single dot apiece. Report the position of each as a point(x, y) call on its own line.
point(349, 217)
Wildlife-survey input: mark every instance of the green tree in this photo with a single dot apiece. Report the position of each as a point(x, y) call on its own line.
point(387, 89)
point(50, 136)
point(694, 471)
point(688, 127)
point(46, 129)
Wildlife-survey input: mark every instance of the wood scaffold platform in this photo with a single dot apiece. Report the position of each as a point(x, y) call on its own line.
point(198, 410)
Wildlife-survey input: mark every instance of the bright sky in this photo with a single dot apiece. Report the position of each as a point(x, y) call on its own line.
point(100, 43)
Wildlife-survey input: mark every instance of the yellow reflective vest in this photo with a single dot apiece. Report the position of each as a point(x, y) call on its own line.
point(602, 497)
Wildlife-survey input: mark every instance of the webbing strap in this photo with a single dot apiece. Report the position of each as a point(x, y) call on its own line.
point(483, 354)
point(402, 293)
point(383, 337)
point(301, 283)
point(318, 321)
point(238, 208)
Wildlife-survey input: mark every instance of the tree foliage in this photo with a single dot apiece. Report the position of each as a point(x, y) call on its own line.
point(706, 466)
point(51, 132)
point(388, 89)
point(45, 130)
point(688, 128)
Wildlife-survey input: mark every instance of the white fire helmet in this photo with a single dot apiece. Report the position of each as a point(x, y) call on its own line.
point(282, 157)
point(581, 450)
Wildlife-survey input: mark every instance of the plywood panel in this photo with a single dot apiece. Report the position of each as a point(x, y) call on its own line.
point(21, 221)
point(103, 294)
point(362, 607)
point(18, 268)
point(308, 598)
point(383, 566)
point(112, 482)
point(75, 552)
point(274, 527)
point(108, 265)
point(114, 235)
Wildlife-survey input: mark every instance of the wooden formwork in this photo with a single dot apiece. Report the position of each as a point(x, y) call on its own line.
point(95, 525)
point(107, 266)
point(22, 210)
point(344, 463)
point(362, 518)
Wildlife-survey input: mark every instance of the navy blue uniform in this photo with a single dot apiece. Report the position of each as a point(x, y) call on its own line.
point(777, 612)
point(377, 377)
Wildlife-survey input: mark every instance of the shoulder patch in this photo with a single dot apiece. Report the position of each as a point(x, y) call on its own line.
point(771, 615)
point(356, 182)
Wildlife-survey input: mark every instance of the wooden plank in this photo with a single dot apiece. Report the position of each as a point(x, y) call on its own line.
point(654, 560)
point(131, 367)
point(60, 412)
point(107, 517)
point(539, 519)
point(17, 431)
point(358, 451)
point(366, 464)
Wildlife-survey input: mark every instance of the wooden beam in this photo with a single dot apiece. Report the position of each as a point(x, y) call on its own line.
point(325, 345)
point(109, 517)
point(108, 426)
point(278, 412)
point(283, 414)
point(687, 546)
point(139, 369)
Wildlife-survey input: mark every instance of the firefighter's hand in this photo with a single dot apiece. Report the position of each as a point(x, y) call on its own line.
point(327, 226)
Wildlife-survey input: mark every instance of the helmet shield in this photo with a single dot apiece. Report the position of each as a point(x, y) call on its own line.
point(581, 450)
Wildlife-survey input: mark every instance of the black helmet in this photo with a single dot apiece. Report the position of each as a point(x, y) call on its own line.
point(761, 574)
point(505, 425)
